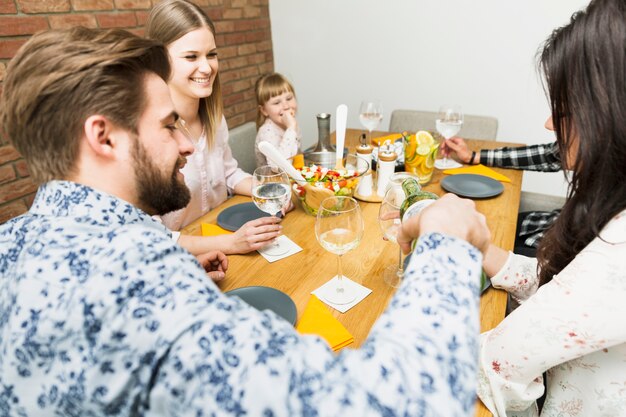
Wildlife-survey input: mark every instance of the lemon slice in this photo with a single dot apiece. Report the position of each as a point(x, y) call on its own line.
point(424, 138)
point(423, 149)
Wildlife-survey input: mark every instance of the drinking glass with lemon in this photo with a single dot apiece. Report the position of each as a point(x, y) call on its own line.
point(420, 151)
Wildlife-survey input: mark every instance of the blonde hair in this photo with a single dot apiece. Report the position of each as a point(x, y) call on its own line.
point(169, 21)
point(61, 77)
point(268, 86)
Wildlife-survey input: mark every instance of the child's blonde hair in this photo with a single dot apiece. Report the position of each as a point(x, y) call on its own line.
point(268, 86)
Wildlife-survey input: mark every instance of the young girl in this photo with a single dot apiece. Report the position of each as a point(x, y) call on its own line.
point(276, 117)
point(211, 172)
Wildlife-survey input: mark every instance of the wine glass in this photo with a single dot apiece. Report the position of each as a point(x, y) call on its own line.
point(390, 222)
point(339, 229)
point(271, 191)
point(449, 122)
point(370, 115)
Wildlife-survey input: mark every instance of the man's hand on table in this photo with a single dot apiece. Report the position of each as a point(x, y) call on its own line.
point(215, 263)
point(451, 216)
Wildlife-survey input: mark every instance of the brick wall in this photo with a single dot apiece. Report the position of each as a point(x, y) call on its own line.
point(243, 40)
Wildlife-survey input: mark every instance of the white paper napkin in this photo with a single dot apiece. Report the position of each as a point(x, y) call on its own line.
point(450, 163)
point(349, 285)
point(291, 246)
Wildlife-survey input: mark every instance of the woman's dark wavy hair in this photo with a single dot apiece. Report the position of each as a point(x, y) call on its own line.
point(584, 70)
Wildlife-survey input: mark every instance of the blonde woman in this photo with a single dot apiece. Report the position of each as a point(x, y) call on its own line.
point(211, 172)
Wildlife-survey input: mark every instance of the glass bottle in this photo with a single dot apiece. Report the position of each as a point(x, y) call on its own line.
point(416, 199)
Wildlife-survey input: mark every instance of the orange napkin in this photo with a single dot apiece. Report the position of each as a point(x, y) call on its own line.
point(298, 161)
point(391, 138)
point(316, 319)
point(213, 230)
point(479, 169)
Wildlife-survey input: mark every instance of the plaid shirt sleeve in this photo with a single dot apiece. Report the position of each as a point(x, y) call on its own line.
point(543, 157)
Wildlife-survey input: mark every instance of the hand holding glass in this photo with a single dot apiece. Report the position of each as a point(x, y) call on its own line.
point(339, 229)
point(271, 191)
point(449, 122)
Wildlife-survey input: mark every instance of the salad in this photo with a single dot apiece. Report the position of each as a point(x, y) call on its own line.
point(339, 181)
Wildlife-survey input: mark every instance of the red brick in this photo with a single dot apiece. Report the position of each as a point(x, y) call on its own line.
point(256, 59)
point(234, 38)
point(209, 2)
point(266, 67)
point(11, 210)
point(8, 153)
point(228, 101)
point(256, 36)
point(244, 106)
point(225, 26)
point(232, 14)
point(7, 6)
point(3, 71)
point(44, 6)
point(117, 20)
point(251, 11)
point(133, 4)
point(80, 5)
point(138, 31)
point(241, 85)
point(246, 49)
point(70, 20)
point(7, 173)
point(250, 115)
point(234, 63)
point(227, 52)
point(214, 13)
point(142, 17)
point(22, 168)
point(226, 89)
point(238, 3)
point(16, 189)
point(8, 47)
point(251, 24)
point(22, 25)
point(29, 199)
point(264, 46)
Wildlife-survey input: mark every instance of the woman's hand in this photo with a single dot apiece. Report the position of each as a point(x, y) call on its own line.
point(254, 235)
point(215, 263)
point(451, 216)
point(458, 146)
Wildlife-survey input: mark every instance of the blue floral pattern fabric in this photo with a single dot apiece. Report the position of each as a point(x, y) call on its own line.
point(102, 314)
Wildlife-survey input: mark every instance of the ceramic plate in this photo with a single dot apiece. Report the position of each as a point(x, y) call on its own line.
point(233, 217)
point(266, 298)
point(472, 186)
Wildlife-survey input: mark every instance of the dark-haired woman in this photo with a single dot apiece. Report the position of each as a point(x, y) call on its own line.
point(570, 323)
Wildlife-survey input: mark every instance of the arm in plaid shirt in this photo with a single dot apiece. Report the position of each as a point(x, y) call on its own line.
point(532, 158)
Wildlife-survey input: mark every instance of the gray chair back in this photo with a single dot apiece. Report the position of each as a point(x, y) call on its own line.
point(241, 140)
point(474, 127)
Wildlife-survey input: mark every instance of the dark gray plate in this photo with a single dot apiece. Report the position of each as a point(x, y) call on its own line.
point(267, 298)
point(472, 186)
point(233, 217)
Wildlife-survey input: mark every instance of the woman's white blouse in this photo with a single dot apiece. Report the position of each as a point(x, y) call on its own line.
point(286, 141)
point(574, 328)
point(211, 175)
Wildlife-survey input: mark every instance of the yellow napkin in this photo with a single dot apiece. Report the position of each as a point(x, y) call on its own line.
point(213, 230)
point(391, 138)
point(316, 319)
point(479, 169)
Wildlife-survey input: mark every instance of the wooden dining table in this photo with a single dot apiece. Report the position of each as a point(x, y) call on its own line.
point(299, 274)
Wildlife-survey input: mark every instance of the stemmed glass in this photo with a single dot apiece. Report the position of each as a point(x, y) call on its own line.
point(390, 222)
point(339, 229)
point(449, 122)
point(370, 115)
point(271, 191)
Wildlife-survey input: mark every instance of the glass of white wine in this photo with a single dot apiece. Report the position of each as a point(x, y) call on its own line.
point(370, 115)
point(390, 223)
point(449, 122)
point(339, 229)
point(271, 192)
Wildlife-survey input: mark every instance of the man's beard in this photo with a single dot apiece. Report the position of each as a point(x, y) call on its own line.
point(158, 193)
